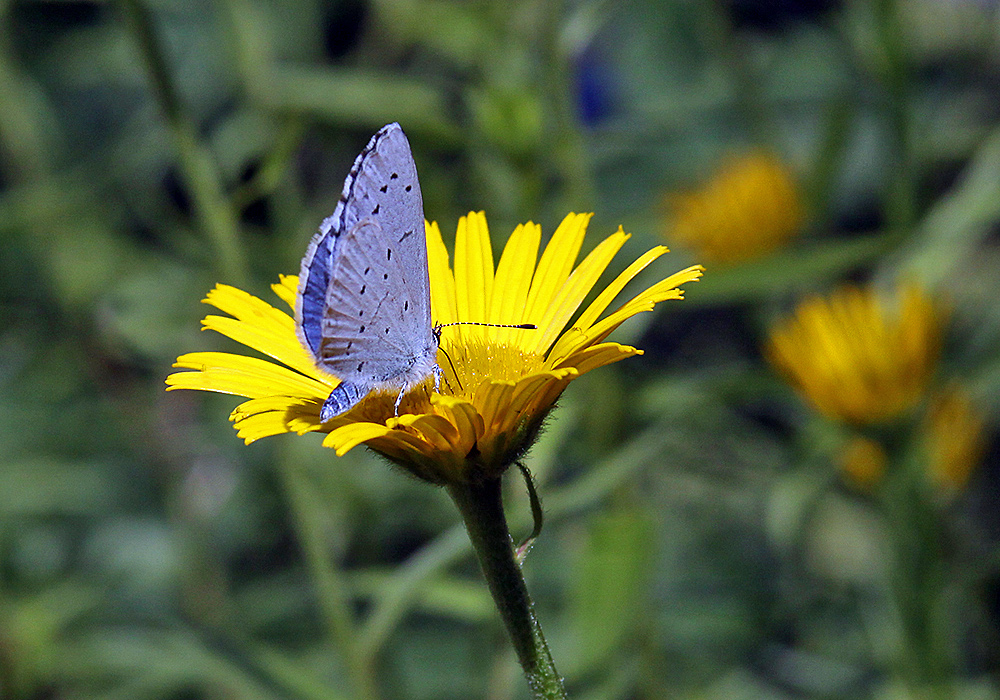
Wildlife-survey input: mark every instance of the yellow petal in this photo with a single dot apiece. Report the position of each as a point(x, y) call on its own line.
point(645, 301)
point(295, 415)
point(545, 398)
point(444, 307)
point(464, 416)
point(604, 299)
point(528, 387)
point(434, 429)
point(349, 436)
point(513, 280)
point(406, 444)
point(599, 355)
point(574, 291)
point(473, 272)
point(284, 380)
point(491, 399)
point(283, 404)
point(254, 427)
point(247, 307)
point(287, 289)
point(284, 347)
point(556, 263)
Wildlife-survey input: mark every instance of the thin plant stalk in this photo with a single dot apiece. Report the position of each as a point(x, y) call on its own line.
point(901, 204)
point(482, 512)
point(331, 587)
point(214, 212)
point(918, 575)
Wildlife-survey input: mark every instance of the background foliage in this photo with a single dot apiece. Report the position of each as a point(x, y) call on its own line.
point(700, 541)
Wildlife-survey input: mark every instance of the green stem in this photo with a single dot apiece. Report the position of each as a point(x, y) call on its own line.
point(214, 213)
point(820, 189)
point(481, 507)
point(919, 572)
point(331, 587)
point(901, 207)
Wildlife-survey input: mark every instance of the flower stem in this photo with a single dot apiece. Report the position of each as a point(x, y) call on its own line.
point(331, 586)
point(201, 176)
point(919, 573)
point(481, 507)
point(901, 205)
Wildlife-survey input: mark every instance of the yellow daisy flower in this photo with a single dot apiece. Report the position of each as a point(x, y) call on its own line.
point(853, 359)
point(953, 437)
point(498, 384)
point(750, 207)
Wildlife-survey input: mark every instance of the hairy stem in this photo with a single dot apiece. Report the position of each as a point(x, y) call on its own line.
point(482, 511)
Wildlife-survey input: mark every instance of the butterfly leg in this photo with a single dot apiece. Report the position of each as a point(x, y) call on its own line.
point(438, 374)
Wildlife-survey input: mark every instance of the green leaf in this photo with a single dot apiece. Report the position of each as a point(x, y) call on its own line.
point(806, 265)
point(609, 585)
point(360, 98)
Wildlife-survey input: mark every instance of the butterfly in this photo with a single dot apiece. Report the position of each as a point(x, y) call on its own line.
point(363, 309)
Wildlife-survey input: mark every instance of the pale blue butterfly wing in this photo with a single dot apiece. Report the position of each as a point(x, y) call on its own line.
point(363, 307)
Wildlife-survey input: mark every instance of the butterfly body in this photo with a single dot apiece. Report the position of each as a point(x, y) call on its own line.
point(363, 308)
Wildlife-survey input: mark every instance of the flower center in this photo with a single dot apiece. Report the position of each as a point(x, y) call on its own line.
point(475, 361)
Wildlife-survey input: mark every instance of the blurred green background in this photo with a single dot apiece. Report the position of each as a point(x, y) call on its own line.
point(701, 541)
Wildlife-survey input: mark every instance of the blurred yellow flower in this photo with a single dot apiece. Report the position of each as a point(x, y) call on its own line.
point(953, 439)
point(499, 383)
point(863, 462)
point(855, 360)
point(749, 208)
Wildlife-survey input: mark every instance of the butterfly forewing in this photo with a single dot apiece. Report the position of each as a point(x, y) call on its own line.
point(371, 325)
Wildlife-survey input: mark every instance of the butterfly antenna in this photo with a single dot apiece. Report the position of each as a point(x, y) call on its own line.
point(522, 326)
